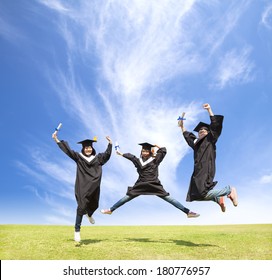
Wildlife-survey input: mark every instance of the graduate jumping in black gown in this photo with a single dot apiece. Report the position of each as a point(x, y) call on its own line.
point(148, 183)
point(202, 180)
point(88, 177)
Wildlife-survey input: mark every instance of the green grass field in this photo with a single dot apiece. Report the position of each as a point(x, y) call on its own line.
point(228, 242)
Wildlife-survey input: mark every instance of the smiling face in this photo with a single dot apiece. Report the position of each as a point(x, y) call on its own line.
point(145, 153)
point(203, 131)
point(87, 151)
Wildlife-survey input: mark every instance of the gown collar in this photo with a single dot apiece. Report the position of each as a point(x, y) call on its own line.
point(89, 159)
point(143, 163)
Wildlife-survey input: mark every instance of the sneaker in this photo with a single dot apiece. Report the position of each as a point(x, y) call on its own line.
point(192, 215)
point(222, 204)
point(77, 236)
point(91, 219)
point(106, 211)
point(233, 196)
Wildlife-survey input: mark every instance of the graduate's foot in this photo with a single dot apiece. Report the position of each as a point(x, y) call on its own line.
point(192, 215)
point(106, 211)
point(91, 219)
point(233, 196)
point(222, 204)
point(77, 236)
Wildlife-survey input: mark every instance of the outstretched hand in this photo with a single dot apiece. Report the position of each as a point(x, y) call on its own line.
point(119, 153)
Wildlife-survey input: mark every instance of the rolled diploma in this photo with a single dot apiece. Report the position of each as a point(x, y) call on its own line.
point(59, 126)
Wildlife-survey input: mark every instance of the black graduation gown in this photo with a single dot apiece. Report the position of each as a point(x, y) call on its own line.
point(147, 182)
point(88, 178)
point(204, 159)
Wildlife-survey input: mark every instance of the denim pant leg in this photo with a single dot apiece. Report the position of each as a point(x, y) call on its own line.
point(122, 201)
point(78, 222)
point(175, 203)
point(214, 195)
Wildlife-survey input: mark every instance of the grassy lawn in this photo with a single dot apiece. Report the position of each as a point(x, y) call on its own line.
point(227, 242)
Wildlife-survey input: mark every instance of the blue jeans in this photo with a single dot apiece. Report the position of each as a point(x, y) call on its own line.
point(214, 195)
point(168, 198)
point(78, 222)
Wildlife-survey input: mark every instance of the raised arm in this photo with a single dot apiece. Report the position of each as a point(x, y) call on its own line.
point(181, 122)
point(104, 157)
point(216, 123)
point(160, 154)
point(208, 108)
point(188, 136)
point(64, 146)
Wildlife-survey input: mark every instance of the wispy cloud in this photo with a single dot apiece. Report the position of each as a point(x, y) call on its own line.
point(266, 179)
point(234, 68)
point(58, 213)
point(266, 19)
point(8, 31)
point(56, 5)
point(140, 47)
point(215, 21)
point(128, 50)
point(52, 178)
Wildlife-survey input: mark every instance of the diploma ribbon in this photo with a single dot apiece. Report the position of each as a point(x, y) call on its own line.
point(181, 118)
point(117, 147)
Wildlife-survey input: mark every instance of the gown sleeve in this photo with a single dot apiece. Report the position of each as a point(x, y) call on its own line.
point(190, 138)
point(216, 127)
point(161, 153)
point(104, 157)
point(64, 146)
point(132, 158)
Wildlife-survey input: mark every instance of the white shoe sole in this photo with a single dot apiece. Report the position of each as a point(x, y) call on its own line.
point(77, 237)
point(235, 197)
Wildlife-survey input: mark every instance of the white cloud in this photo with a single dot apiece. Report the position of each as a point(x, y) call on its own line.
point(9, 31)
point(55, 5)
point(53, 178)
point(138, 47)
point(138, 44)
point(266, 19)
point(234, 68)
point(266, 179)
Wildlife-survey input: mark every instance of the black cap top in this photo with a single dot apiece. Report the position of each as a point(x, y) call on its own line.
point(202, 125)
point(87, 142)
point(146, 146)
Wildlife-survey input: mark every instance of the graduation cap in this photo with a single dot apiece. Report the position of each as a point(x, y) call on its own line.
point(87, 142)
point(146, 146)
point(202, 125)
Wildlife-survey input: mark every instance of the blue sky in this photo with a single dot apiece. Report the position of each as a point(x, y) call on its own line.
point(128, 69)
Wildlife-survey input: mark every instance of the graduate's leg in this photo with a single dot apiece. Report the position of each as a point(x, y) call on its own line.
point(79, 217)
point(218, 196)
point(121, 202)
point(91, 204)
point(78, 222)
point(215, 195)
point(90, 212)
point(175, 203)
